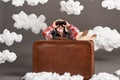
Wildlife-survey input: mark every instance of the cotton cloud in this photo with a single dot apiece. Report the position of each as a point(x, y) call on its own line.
point(71, 7)
point(51, 76)
point(67, 76)
point(9, 38)
point(104, 76)
point(36, 2)
point(117, 72)
point(111, 4)
point(5, 0)
point(6, 55)
point(22, 20)
point(106, 39)
point(18, 3)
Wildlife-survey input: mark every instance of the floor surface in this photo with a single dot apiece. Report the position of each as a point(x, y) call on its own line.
point(104, 62)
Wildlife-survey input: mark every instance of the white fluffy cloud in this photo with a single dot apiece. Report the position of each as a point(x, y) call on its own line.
point(9, 38)
point(107, 38)
point(6, 55)
point(22, 20)
point(18, 3)
point(71, 7)
point(104, 76)
point(117, 72)
point(67, 76)
point(111, 4)
point(36, 2)
point(5, 0)
point(51, 76)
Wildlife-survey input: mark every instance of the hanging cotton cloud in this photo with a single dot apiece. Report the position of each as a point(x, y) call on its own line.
point(111, 4)
point(6, 55)
point(107, 38)
point(9, 38)
point(71, 7)
point(104, 76)
point(51, 76)
point(18, 3)
point(36, 2)
point(5, 0)
point(22, 20)
point(117, 72)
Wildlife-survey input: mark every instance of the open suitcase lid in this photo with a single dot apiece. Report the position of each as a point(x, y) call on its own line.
point(60, 56)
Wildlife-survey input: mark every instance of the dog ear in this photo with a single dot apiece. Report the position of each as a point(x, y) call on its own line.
point(84, 36)
point(93, 36)
point(85, 33)
point(66, 29)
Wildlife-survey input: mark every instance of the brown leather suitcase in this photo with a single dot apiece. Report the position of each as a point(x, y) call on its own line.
point(76, 57)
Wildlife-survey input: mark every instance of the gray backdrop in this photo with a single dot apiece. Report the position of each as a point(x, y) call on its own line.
point(92, 15)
